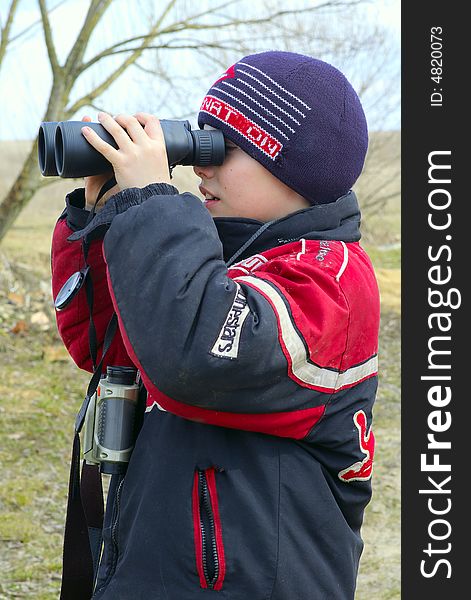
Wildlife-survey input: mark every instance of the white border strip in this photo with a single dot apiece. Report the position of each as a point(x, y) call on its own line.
point(345, 262)
point(303, 249)
point(302, 369)
point(149, 408)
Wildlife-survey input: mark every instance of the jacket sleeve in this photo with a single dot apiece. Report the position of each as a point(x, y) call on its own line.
point(208, 346)
point(73, 321)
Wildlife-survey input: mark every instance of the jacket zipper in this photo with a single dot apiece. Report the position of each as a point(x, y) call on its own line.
point(116, 519)
point(114, 539)
point(208, 537)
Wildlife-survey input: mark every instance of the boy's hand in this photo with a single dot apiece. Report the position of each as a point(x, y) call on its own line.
point(141, 157)
point(94, 183)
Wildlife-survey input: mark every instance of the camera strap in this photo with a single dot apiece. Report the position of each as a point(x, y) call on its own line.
point(92, 343)
point(84, 517)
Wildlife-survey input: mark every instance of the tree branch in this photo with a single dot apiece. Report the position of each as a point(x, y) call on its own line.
point(111, 50)
point(373, 208)
point(227, 45)
point(51, 51)
point(5, 31)
point(136, 53)
point(95, 12)
point(373, 200)
point(38, 22)
point(171, 46)
point(187, 24)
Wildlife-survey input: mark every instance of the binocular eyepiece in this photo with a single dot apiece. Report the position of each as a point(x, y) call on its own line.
point(64, 151)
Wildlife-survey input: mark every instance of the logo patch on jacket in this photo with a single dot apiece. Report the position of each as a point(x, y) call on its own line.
point(249, 265)
point(361, 470)
point(227, 343)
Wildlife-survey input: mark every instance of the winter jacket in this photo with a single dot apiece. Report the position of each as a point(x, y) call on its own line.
point(252, 470)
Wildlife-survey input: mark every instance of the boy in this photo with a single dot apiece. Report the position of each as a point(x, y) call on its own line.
point(253, 319)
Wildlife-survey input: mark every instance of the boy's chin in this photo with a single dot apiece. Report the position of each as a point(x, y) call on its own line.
point(216, 208)
point(211, 204)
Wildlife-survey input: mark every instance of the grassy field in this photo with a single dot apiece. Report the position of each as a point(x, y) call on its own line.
point(41, 389)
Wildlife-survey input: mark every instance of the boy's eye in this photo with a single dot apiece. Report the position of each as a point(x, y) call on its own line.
point(229, 145)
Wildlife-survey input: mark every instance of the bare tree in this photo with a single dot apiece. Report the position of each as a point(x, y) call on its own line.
point(216, 30)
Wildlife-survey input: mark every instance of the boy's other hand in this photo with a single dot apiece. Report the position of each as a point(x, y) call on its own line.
point(141, 157)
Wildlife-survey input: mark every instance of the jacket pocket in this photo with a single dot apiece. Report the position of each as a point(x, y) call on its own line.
point(209, 547)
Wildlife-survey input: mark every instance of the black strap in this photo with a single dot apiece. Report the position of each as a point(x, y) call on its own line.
point(92, 340)
point(77, 561)
point(92, 345)
point(92, 386)
point(84, 518)
point(91, 491)
point(107, 186)
point(248, 243)
point(84, 505)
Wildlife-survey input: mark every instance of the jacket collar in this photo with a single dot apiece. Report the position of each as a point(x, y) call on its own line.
point(339, 220)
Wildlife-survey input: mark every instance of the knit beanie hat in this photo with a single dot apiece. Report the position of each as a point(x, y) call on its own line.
point(297, 116)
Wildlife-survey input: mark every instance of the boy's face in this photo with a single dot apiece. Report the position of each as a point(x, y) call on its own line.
point(242, 187)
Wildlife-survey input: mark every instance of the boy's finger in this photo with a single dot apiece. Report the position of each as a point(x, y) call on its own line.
point(152, 125)
point(103, 147)
point(119, 134)
point(143, 117)
point(132, 126)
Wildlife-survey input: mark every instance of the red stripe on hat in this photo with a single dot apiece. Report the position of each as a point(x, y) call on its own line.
point(257, 136)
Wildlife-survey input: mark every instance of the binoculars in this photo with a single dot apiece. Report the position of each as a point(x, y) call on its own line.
point(109, 432)
point(64, 151)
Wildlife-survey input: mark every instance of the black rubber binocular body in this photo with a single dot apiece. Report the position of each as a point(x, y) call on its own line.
point(64, 151)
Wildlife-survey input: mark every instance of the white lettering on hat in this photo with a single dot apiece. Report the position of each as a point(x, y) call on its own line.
point(226, 113)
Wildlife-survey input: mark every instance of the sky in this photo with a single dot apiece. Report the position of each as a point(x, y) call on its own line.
point(25, 75)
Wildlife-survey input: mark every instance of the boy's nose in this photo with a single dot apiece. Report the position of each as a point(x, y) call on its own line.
point(205, 172)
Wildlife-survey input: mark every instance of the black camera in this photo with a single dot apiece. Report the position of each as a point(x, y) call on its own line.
point(64, 151)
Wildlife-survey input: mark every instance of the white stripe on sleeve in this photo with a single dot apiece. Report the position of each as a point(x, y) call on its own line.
point(305, 371)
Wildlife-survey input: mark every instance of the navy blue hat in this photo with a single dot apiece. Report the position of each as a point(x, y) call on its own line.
point(296, 115)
